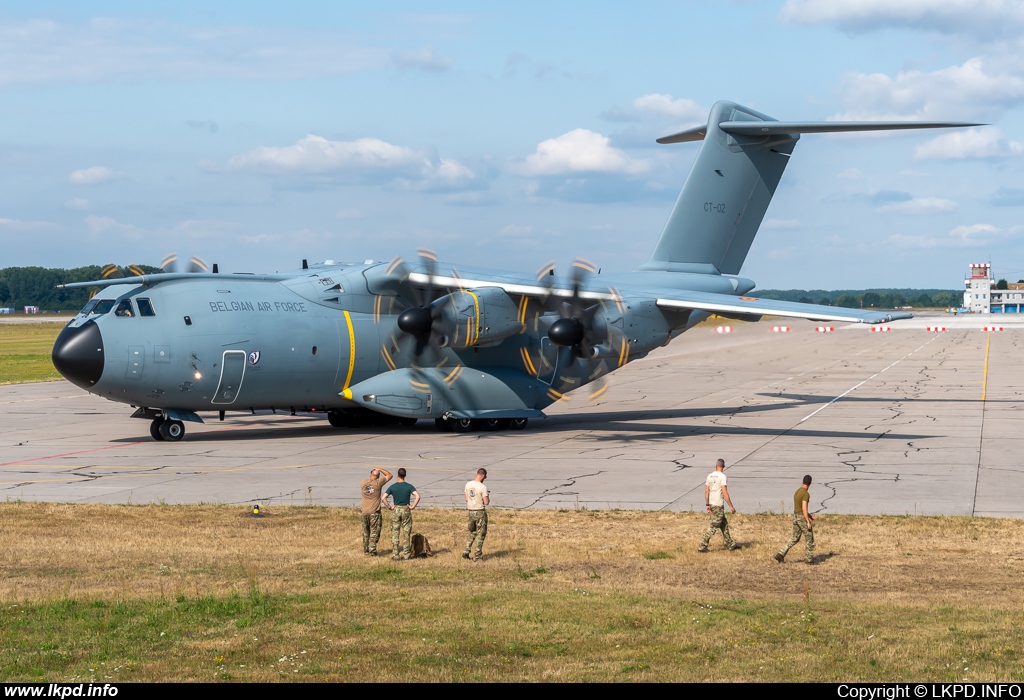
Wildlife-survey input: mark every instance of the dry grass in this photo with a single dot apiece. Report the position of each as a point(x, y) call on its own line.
point(206, 592)
point(25, 352)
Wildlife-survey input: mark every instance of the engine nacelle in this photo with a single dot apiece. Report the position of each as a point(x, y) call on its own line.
point(631, 327)
point(479, 317)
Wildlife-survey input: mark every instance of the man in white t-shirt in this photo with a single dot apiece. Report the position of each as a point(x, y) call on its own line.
point(477, 498)
point(716, 495)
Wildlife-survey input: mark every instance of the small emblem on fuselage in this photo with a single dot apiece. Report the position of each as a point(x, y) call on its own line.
point(254, 357)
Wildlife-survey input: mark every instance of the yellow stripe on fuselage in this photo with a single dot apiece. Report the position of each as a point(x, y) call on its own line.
point(351, 351)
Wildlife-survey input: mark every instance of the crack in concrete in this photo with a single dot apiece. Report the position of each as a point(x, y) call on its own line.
point(552, 492)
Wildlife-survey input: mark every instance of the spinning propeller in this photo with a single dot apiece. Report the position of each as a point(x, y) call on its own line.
point(172, 263)
point(422, 329)
point(582, 338)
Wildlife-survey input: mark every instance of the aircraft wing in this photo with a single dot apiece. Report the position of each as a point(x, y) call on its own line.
point(753, 306)
point(724, 304)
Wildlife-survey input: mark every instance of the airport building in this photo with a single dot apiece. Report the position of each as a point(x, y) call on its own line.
point(982, 297)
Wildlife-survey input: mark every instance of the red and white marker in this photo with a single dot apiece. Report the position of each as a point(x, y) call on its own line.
point(881, 329)
point(992, 328)
point(826, 329)
point(723, 329)
point(935, 329)
point(780, 329)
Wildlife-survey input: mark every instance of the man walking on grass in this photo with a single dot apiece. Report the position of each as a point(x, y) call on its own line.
point(803, 523)
point(716, 495)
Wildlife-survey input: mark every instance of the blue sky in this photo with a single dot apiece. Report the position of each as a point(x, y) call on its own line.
point(258, 134)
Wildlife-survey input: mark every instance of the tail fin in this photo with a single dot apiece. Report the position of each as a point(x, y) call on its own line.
point(731, 185)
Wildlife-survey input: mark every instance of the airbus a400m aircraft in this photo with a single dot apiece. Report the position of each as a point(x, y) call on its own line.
point(469, 348)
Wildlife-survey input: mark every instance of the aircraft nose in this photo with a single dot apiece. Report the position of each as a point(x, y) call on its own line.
point(78, 354)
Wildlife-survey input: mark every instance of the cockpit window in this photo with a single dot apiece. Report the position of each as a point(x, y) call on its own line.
point(125, 309)
point(88, 307)
point(145, 307)
point(103, 306)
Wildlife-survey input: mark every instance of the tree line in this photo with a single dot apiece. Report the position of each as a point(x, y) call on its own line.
point(870, 298)
point(37, 286)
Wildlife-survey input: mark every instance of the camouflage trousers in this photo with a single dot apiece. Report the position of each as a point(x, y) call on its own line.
point(401, 527)
point(371, 531)
point(718, 522)
point(800, 530)
point(477, 532)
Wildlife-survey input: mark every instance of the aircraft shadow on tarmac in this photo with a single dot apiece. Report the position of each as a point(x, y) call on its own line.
point(638, 424)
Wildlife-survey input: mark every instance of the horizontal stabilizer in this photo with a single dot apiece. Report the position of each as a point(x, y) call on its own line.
point(776, 128)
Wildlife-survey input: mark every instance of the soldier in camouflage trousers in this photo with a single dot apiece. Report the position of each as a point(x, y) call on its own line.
point(477, 497)
point(370, 490)
point(405, 497)
point(803, 524)
point(716, 495)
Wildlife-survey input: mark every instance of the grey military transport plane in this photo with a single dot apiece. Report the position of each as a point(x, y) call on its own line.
point(372, 343)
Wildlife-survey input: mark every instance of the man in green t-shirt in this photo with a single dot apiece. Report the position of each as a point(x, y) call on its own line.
point(802, 523)
point(405, 499)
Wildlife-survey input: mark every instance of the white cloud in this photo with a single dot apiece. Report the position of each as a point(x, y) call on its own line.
point(19, 225)
point(682, 109)
point(579, 151)
point(427, 59)
point(919, 206)
point(102, 50)
point(986, 142)
point(982, 18)
point(317, 155)
point(515, 231)
point(972, 236)
point(660, 107)
point(972, 90)
point(92, 176)
point(452, 171)
point(449, 176)
point(104, 225)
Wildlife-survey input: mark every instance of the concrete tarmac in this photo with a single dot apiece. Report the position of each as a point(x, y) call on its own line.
point(907, 421)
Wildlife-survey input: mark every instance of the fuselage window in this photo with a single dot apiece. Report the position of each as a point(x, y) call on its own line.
point(125, 309)
point(103, 306)
point(88, 307)
point(145, 307)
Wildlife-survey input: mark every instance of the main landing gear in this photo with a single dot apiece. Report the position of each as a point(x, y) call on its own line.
point(164, 429)
point(467, 425)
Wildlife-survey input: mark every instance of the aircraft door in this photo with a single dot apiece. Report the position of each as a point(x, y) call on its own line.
point(232, 369)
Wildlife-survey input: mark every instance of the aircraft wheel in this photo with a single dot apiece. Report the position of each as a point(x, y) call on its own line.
point(518, 424)
point(172, 430)
point(442, 425)
point(492, 424)
point(463, 425)
point(337, 419)
point(154, 428)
